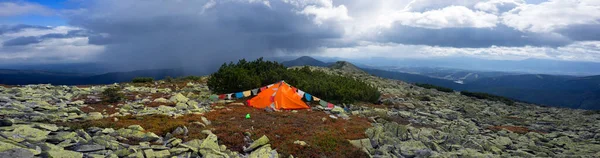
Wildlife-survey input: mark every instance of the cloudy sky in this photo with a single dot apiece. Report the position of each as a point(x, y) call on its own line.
point(167, 33)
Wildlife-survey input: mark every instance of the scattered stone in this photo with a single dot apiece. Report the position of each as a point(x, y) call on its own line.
point(16, 153)
point(62, 154)
point(95, 116)
point(49, 127)
point(257, 143)
point(135, 127)
point(206, 121)
point(299, 142)
point(89, 148)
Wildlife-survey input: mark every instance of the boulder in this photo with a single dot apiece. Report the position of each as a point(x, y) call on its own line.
point(62, 136)
point(88, 148)
point(166, 109)
point(95, 116)
point(179, 98)
point(62, 154)
point(26, 132)
point(409, 148)
point(161, 100)
point(135, 127)
point(16, 153)
point(192, 104)
point(49, 127)
point(4, 146)
point(257, 143)
point(107, 141)
point(264, 152)
point(501, 142)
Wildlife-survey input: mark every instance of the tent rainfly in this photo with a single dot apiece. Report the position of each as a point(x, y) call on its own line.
point(280, 96)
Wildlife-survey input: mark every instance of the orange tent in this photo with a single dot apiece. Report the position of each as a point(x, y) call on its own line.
point(279, 96)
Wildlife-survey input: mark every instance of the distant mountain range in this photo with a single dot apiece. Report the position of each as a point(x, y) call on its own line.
point(22, 77)
point(527, 66)
point(305, 60)
point(551, 90)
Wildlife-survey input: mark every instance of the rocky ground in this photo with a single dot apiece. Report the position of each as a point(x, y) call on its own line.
point(166, 119)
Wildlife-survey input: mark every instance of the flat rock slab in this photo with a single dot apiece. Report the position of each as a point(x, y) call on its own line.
point(89, 148)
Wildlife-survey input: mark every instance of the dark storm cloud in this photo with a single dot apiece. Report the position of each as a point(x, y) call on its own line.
point(195, 37)
point(582, 32)
point(500, 35)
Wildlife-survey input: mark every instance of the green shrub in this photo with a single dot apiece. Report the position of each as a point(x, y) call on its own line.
point(113, 95)
point(424, 98)
point(169, 79)
point(142, 80)
point(491, 97)
point(245, 75)
point(192, 78)
point(439, 88)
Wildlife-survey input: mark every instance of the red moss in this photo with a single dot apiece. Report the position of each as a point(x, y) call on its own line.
point(324, 138)
point(515, 129)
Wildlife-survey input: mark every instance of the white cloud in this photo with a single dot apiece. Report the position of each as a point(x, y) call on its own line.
point(555, 14)
point(326, 12)
point(452, 16)
point(578, 51)
point(22, 8)
point(498, 6)
point(50, 50)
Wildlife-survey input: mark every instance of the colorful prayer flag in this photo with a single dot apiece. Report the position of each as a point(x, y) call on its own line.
point(329, 105)
point(300, 93)
point(214, 97)
point(316, 99)
point(255, 91)
point(229, 96)
point(222, 96)
point(263, 88)
point(239, 95)
point(247, 93)
point(323, 103)
point(307, 96)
